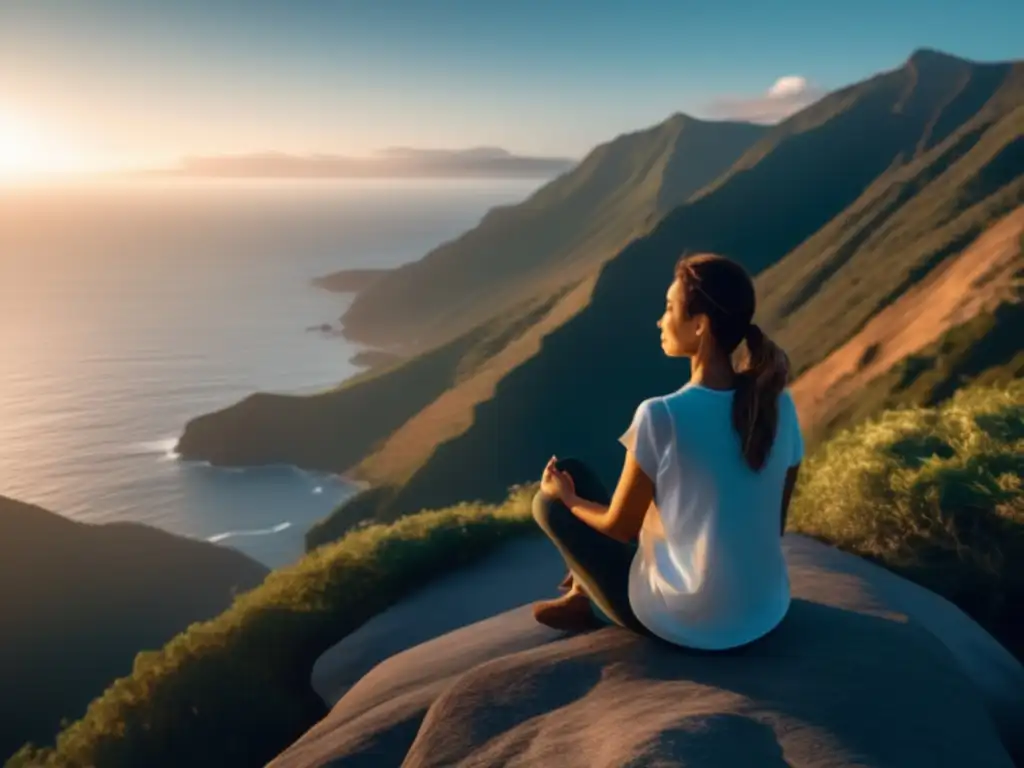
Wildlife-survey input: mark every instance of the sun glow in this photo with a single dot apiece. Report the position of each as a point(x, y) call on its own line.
point(27, 152)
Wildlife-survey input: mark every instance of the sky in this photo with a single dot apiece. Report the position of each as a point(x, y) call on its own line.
point(128, 83)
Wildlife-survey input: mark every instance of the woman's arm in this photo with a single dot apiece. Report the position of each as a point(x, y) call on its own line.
point(622, 518)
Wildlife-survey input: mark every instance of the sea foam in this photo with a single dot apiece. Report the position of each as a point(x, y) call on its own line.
point(164, 447)
point(257, 532)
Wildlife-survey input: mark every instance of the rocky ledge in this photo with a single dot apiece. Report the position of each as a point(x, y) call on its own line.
point(867, 669)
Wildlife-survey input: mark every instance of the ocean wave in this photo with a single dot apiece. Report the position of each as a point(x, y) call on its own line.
point(257, 532)
point(164, 447)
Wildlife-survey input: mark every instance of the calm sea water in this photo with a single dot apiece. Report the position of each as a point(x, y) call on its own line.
point(128, 308)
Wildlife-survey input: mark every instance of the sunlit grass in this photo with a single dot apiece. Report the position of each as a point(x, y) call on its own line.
point(934, 494)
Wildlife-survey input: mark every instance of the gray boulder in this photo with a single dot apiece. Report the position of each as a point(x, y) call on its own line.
point(866, 670)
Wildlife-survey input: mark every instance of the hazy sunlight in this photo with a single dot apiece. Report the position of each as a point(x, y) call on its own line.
point(26, 151)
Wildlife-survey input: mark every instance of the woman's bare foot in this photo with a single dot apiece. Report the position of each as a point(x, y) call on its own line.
point(569, 613)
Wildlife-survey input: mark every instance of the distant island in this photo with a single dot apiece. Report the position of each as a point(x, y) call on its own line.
point(394, 162)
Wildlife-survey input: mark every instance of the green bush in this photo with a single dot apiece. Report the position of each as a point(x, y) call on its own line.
point(235, 691)
point(934, 494)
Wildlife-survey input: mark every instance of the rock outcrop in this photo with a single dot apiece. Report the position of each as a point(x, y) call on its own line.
point(867, 669)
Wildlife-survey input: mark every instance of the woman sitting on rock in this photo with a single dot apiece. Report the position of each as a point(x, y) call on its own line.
point(689, 547)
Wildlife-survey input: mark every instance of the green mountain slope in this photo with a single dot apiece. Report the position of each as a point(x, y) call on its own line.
point(561, 232)
point(78, 602)
point(963, 323)
point(929, 206)
point(852, 201)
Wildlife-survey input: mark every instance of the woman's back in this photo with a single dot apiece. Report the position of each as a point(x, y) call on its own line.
point(709, 572)
point(703, 486)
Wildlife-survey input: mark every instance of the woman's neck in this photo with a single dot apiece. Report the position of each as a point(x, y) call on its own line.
point(713, 373)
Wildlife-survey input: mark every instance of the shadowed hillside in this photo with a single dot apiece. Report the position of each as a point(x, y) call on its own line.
point(560, 233)
point(853, 200)
point(78, 602)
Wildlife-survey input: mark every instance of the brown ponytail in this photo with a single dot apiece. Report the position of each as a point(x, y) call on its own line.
point(760, 380)
point(721, 289)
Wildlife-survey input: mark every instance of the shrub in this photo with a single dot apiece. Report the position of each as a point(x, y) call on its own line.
point(934, 494)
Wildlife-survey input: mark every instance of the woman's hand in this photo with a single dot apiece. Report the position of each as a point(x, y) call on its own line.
point(557, 484)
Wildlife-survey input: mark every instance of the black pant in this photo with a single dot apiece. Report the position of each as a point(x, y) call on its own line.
point(599, 562)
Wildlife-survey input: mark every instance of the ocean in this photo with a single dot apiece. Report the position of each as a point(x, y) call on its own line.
point(126, 308)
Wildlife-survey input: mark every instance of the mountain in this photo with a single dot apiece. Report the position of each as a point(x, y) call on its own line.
point(561, 234)
point(958, 170)
point(80, 601)
point(839, 211)
point(555, 237)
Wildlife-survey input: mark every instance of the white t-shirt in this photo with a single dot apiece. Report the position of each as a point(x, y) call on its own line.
point(709, 572)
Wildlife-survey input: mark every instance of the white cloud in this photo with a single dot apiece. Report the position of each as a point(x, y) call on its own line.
point(787, 95)
point(787, 86)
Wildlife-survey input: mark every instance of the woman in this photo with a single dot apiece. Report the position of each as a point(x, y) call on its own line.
point(688, 548)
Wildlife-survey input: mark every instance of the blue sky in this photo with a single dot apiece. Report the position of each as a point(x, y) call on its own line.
point(145, 80)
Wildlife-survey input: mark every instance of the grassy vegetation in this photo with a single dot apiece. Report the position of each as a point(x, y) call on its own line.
point(354, 512)
point(234, 691)
point(906, 223)
point(934, 494)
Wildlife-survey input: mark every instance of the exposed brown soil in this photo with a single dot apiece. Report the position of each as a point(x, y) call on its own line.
point(978, 280)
